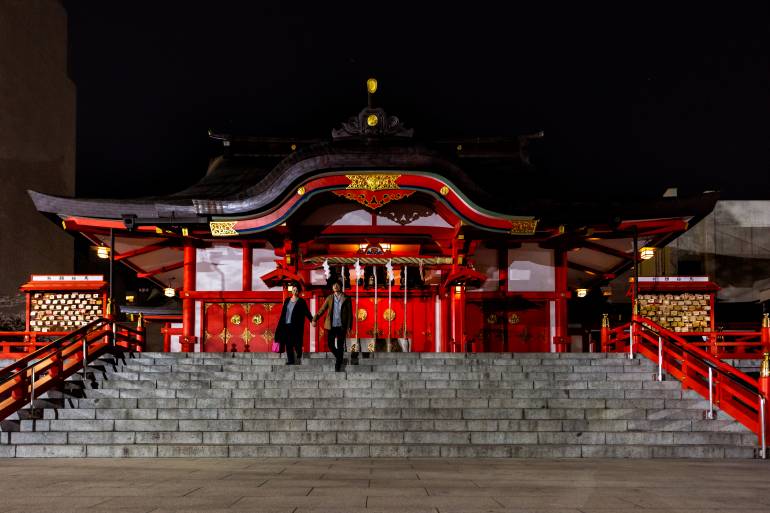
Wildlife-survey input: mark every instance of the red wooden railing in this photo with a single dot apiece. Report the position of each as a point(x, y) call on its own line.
point(738, 394)
point(47, 368)
point(18, 344)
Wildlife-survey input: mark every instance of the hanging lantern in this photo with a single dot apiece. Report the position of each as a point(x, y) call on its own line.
point(103, 252)
point(581, 292)
point(169, 292)
point(646, 253)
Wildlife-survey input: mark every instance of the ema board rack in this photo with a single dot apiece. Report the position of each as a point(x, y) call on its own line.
point(57, 303)
point(683, 304)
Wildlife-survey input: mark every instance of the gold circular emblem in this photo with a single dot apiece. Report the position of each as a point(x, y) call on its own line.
point(235, 319)
point(492, 319)
point(301, 191)
point(257, 319)
point(513, 319)
point(389, 314)
point(371, 85)
point(293, 147)
point(372, 120)
point(362, 314)
point(444, 190)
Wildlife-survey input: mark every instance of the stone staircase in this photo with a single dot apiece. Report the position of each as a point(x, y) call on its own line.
point(390, 405)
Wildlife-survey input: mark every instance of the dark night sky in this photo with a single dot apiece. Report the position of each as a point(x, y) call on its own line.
point(633, 96)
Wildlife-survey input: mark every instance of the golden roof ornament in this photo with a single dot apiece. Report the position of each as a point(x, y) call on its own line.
point(372, 121)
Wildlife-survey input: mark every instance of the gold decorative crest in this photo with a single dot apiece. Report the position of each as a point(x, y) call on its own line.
point(373, 182)
point(389, 314)
point(235, 319)
point(513, 319)
point(257, 319)
point(222, 228)
point(362, 314)
point(492, 319)
point(269, 306)
point(247, 336)
point(268, 335)
point(373, 200)
point(523, 226)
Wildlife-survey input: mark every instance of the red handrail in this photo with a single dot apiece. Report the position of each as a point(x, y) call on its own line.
point(733, 391)
point(48, 367)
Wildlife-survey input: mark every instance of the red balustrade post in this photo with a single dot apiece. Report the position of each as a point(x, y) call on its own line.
point(605, 335)
point(766, 333)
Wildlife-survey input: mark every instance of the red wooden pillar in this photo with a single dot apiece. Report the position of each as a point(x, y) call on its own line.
point(561, 338)
point(188, 304)
point(446, 324)
point(457, 334)
point(247, 263)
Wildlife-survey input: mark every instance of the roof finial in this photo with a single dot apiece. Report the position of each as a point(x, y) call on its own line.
point(371, 88)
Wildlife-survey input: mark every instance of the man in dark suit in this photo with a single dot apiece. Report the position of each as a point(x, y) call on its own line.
point(338, 321)
point(291, 325)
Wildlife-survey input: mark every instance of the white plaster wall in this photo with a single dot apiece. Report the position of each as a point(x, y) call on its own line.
point(176, 345)
point(485, 261)
point(219, 268)
point(263, 262)
point(531, 269)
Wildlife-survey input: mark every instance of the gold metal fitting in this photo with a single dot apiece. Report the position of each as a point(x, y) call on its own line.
point(140, 321)
point(371, 85)
point(301, 190)
point(605, 320)
point(764, 369)
point(766, 320)
point(444, 190)
point(372, 120)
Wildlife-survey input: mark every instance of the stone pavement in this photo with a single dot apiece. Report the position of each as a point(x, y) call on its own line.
point(290, 485)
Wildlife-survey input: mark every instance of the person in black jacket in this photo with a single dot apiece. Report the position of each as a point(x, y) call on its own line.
point(291, 326)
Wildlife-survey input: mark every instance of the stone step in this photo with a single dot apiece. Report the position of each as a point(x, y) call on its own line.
point(368, 437)
point(376, 451)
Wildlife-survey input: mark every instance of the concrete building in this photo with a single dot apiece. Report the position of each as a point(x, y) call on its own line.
point(732, 246)
point(37, 142)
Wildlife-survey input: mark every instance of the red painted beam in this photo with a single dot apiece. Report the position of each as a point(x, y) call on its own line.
point(159, 270)
point(142, 251)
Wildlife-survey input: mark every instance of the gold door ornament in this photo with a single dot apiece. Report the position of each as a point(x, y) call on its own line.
point(362, 315)
point(268, 336)
point(492, 319)
point(513, 319)
point(235, 319)
point(257, 319)
point(389, 314)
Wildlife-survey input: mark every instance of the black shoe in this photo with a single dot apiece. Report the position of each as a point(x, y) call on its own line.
point(299, 361)
point(337, 367)
point(289, 363)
